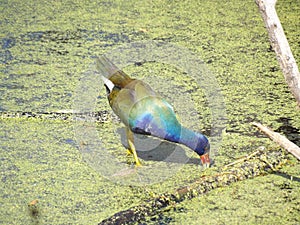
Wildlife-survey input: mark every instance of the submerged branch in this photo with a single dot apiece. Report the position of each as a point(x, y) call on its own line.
point(281, 140)
point(257, 163)
point(69, 115)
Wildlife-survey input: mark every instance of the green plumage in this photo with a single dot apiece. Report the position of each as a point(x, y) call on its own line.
point(143, 111)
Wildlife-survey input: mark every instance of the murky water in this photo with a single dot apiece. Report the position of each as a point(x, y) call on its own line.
point(79, 171)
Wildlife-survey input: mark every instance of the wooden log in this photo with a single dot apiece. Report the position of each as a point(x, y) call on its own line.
point(255, 164)
point(281, 46)
point(279, 139)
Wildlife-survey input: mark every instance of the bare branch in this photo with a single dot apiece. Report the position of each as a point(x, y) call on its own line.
point(281, 46)
point(281, 140)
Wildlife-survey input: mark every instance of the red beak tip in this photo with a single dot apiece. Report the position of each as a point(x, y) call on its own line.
point(205, 160)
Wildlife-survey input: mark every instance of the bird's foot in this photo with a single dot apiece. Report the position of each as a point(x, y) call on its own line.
point(133, 162)
point(138, 163)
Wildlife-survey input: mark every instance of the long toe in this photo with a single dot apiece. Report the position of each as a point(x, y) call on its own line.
point(129, 152)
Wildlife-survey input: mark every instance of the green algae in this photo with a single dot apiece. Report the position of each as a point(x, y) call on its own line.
point(269, 200)
point(46, 48)
point(45, 165)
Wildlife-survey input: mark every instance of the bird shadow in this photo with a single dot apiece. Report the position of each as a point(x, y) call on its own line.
point(154, 149)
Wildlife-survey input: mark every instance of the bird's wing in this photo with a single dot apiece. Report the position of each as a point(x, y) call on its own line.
point(125, 100)
point(153, 115)
point(143, 90)
point(122, 104)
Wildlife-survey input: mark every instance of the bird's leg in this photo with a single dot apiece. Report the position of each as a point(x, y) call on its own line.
point(131, 149)
point(130, 141)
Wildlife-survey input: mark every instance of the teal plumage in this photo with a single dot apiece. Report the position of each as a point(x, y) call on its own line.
point(144, 112)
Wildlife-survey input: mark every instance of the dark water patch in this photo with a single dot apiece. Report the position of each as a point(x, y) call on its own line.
point(46, 36)
point(108, 38)
point(237, 130)
point(8, 43)
point(291, 132)
point(5, 56)
point(71, 142)
point(32, 36)
point(62, 37)
point(78, 34)
point(30, 61)
point(59, 51)
point(273, 69)
point(12, 86)
point(13, 76)
point(116, 38)
point(8, 170)
point(139, 35)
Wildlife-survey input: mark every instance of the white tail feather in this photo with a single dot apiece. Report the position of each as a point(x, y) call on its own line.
point(108, 83)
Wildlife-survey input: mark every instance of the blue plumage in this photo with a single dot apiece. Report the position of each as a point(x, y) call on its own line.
point(144, 112)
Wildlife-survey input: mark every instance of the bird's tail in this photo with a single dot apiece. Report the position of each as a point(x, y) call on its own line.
point(105, 67)
point(108, 84)
point(111, 72)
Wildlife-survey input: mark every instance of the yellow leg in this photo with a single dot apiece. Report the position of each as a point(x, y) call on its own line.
point(131, 149)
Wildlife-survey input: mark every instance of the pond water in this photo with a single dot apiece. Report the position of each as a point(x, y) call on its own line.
point(211, 60)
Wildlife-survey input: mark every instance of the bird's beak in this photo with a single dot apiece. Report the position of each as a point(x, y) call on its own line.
point(205, 160)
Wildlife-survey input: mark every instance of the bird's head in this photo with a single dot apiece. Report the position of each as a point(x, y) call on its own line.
point(203, 150)
point(205, 156)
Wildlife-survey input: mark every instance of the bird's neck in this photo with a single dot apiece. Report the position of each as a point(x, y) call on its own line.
point(189, 138)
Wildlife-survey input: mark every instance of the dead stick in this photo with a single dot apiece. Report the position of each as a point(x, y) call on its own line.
point(260, 162)
point(281, 140)
point(281, 46)
point(242, 159)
